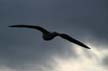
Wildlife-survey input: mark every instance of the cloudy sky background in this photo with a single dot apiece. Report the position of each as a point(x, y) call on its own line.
point(25, 50)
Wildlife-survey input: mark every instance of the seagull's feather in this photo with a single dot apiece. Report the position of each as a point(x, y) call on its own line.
point(32, 27)
point(67, 37)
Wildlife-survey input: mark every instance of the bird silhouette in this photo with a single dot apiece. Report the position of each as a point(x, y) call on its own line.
point(51, 35)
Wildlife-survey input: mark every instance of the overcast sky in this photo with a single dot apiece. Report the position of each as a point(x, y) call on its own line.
point(25, 50)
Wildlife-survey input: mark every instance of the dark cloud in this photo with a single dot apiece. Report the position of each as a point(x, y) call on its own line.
point(78, 18)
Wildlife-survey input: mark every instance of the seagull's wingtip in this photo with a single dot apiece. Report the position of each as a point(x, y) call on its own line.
point(88, 47)
point(11, 26)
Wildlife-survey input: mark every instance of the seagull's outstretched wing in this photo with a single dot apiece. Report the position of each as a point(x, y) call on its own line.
point(67, 37)
point(32, 27)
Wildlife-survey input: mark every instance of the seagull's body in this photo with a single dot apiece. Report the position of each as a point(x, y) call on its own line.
point(51, 35)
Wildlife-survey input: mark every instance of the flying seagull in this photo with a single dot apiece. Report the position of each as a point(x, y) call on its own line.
point(51, 35)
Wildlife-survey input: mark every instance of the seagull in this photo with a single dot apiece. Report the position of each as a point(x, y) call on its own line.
point(46, 35)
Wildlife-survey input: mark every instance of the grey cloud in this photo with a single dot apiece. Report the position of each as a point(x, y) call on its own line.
point(75, 17)
point(105, 61)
